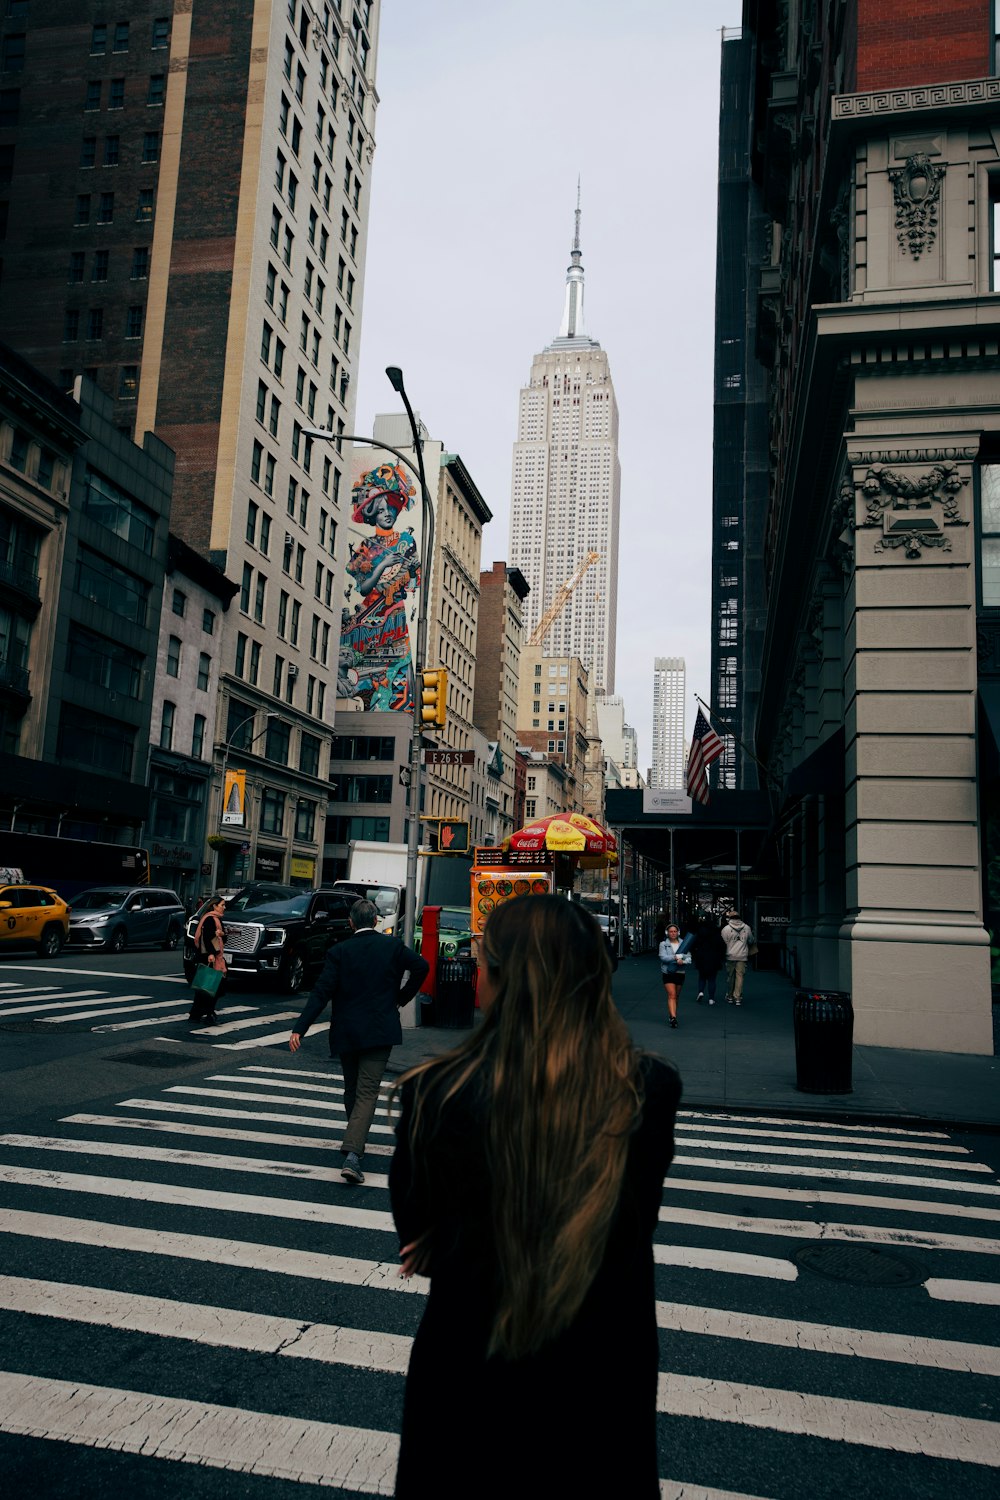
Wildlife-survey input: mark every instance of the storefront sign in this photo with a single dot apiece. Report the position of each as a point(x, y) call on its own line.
point(667, 803)
point(268, 865)
point(303, 868)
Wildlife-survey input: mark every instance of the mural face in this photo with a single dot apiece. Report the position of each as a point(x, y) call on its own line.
point(375, 668)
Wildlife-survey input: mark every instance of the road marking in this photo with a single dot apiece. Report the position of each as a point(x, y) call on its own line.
point(220, 1113)
point(256, 1020)
point(324, 1104)
point(141, 1192)
point(272, 1039)
point(822, 1195)
point(868, 1234)
point(675, 1489)
point(117, 1010)
point(756, 1148)
point(66, 1001)
point(26, 989)
point(860, 1130)
point(221, 1437)
point(95, 973)
point(273, 1083)
point(824, 1338)
point(206, 1249)
point(221, 1327)
point(176, 1015)
point(847, 1174)
point(177, 1156)
point(983, 1293)
point(797, 1135)
point(694, 1258)
point(896, 1429)
point(220, 1132)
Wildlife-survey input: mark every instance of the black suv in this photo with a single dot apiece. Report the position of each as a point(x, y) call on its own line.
point(280, 932)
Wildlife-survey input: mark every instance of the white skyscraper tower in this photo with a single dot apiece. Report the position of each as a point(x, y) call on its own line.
point(566, 487)
point(669, 769)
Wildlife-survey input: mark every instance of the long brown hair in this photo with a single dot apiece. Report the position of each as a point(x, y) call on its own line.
point(558, 1068)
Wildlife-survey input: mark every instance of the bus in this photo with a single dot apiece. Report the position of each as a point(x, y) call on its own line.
point(69, 866)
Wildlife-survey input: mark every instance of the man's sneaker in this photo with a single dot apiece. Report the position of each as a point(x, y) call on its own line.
point(351, 1170)
point(737, 1002)
point(711, 1002)
point(701, 996)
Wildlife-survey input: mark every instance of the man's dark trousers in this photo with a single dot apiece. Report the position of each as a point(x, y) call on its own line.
point(363, 1073)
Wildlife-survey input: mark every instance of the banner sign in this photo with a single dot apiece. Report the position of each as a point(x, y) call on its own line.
point(234, 797)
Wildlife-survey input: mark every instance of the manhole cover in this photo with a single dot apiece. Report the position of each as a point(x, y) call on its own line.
point(149, 1059)
point(863, 1265)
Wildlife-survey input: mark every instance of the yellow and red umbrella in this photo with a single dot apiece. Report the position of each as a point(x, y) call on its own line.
point(590, 846)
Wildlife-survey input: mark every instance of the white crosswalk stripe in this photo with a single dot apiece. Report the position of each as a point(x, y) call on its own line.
point(149, 1010)
point(239, 1171)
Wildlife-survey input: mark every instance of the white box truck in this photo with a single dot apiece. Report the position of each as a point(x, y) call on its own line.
point(377, 872)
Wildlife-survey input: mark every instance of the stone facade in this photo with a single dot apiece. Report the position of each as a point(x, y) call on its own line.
point(502, 592)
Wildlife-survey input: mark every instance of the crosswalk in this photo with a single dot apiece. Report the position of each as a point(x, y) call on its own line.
point(183, 1274)
point(159, 1011)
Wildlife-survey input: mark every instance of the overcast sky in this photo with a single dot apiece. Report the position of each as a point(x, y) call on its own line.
point(488, 112)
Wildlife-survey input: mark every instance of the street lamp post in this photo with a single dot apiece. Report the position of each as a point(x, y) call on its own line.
point(225, 766)
point(420, 653)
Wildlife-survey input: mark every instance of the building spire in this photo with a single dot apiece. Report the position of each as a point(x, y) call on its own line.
point(572, 322)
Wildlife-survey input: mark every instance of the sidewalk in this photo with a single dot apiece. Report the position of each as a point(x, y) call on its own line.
point(744, 1059)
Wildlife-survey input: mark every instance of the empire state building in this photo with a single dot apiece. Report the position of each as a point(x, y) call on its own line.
point(565, 489)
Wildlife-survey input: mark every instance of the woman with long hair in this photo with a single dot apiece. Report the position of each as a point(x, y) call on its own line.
point(527, 1182)
point(209, 947)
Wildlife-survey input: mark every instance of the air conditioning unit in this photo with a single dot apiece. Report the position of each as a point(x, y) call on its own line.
point(293, 671)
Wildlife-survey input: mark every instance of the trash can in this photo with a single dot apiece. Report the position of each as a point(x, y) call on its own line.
point(823, 1021)
point(455, 1001)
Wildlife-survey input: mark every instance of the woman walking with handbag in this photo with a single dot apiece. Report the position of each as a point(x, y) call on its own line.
point(209, 946)
point(527, 1183)
point(675, 957)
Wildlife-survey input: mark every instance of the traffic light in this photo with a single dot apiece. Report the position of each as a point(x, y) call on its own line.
point(434, 696)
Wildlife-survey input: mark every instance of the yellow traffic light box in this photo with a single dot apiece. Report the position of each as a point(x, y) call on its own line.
point(434, 696)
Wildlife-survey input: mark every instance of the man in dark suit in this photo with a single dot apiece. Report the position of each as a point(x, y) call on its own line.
point(365, 981)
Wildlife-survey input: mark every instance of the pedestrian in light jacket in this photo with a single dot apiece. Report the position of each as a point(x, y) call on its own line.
point(365, 981)
point(739, 940)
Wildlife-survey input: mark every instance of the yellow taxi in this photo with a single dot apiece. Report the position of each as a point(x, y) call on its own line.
point(32, 916)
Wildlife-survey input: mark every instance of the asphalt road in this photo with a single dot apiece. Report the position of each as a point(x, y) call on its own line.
point(183, 1272)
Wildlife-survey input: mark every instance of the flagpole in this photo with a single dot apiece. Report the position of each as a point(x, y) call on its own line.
point(745, 748)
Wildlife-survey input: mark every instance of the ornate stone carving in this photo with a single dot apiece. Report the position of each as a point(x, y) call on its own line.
point(933, 96)
point(938, 455)
point(916, 187)
point(912, 510)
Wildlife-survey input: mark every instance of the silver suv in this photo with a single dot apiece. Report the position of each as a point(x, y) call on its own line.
point(120, 917)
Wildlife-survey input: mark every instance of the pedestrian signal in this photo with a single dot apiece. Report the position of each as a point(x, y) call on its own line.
point(434, 696)
point(453, 838)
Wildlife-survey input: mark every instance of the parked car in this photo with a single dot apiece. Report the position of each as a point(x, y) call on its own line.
point(454, 932)
point(32, 916)
point(278, 931)
point(120, 917)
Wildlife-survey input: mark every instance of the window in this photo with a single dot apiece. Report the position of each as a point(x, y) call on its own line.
point(144, 206)
point(116, 510)
point(179, 603)
point(90, 740)
point(254, 662)
point(305, 822)
point(133, 323)
point(140, 263)
point(198, 736)
point(261, 400)
point(294, 631)
point(99, 270)
point(82, 209)
point(121, 36)
point(174, 656)
point(208, 621)
point(106, 208)
point(157, 91)
point(112, 144)
point(255, 462)
point(204, 668)
point(241, 653)
point(269, 286)
point(92, 98)
point(128, 382)
point(167, 725)
point(98, 40)
point(95, 322)
point(88, 151)
point(279, 670)
point(245, 588)
point(111, 587)
point(12, 53)
point(10, 106)
point(259, 598)
point(269, 475)
point(161, 32)
point(116, 94)
point(277, 741)
point(989, 510)
point(104, 663)
point(272, 811)
point(76, 264)
point(151, 146)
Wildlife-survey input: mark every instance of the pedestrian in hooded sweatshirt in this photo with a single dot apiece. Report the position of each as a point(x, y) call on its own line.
point(738, 939)
point(708, 954)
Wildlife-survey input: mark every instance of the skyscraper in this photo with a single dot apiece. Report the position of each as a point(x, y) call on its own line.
point(183, 205)
point(668, 721)
point(565, 489)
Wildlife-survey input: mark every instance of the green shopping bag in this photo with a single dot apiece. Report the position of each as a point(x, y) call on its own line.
point(207, 980)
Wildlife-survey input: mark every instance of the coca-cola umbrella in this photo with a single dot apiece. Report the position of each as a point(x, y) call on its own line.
point(586, 843)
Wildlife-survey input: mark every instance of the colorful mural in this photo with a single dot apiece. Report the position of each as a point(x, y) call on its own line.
point(376, 660)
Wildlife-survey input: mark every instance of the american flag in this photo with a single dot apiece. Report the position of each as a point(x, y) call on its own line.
point(705, 747)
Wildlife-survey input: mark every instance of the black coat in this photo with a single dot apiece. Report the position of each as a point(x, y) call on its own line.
point(580, 1417)
point(363, 981)
point(708, 951)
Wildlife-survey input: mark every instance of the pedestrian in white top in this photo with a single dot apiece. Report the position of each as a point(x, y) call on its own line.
point(739, 941)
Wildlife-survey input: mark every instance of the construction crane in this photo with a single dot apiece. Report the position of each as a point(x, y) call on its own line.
point(541, 630)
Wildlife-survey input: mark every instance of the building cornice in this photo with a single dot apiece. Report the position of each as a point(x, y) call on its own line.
point(466, 485)
point(979, 95)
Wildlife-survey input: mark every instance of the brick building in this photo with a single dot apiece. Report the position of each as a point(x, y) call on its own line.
point(873, 153)
point(499, 642)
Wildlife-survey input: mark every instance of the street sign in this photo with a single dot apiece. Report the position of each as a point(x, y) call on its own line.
point(449, 757)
